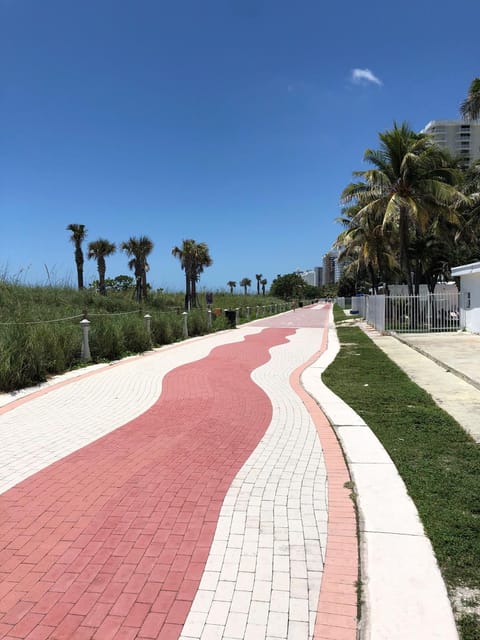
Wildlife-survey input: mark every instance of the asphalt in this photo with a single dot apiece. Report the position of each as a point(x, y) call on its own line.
point(200, 492)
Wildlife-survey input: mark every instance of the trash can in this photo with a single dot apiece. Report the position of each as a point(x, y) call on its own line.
point(230, 315)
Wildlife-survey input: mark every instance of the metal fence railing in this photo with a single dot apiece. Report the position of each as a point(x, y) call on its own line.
point(422, 314)
point(431, 312)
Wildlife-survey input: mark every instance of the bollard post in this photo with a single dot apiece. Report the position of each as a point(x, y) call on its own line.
point(185, 324)
point(248, 313)
point(256, 314)
point(237, 316)
point(209, 318)
point(148, 319)
point(85, 352)
point(264, 312)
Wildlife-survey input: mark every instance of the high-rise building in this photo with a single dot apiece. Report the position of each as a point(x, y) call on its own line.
point(460, 138)
point(329, 267)
point(311, 276)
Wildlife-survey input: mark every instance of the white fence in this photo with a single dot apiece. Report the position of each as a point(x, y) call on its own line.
point(412, 314)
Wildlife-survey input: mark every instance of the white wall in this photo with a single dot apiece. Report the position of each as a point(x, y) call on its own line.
point(470, 284)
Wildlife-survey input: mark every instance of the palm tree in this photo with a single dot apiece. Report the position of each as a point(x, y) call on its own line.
point(232, 284)
point(470, 107)
point(263, 282)
point(194, 257)
point(245, 283)
point(139, 249)
point(202, 260)
point(79, 233)
point(412, 184)
point(100, 249)
point(366, 245)
point(258, 276)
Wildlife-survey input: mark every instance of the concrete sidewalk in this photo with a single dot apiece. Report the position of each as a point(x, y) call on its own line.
point(446, 365)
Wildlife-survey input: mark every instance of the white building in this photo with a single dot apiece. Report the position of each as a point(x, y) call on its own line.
point(460, 138)
point(311, 276)
point(469, 275)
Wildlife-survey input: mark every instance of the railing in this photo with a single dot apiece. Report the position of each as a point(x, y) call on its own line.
point(431, 312)
point(422, 314)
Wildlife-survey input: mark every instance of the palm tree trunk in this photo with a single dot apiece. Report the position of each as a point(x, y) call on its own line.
point(187, 290)
point(404, 241)
point(79, 262)
point(101, 275)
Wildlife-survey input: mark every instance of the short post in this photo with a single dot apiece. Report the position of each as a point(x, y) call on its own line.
point(264, 307)
point(85, 352)
point(256, 315)
point(248, 313)
point(148, 319)
point(209, 318)
point(237, 315)
point(185, 324)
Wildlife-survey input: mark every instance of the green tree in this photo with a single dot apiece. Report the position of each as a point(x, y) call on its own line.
point(232, 284)
point(470, 107)
point(245, 283)
point(79, 233)
point(412, 186)
point(99, 250)
point(366, 246)
point(138, 249)
point(194, 257)
point(288, 286)
point(258, 277)
point(263, 282)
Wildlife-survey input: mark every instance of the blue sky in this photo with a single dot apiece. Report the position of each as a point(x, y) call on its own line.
point(233, 122)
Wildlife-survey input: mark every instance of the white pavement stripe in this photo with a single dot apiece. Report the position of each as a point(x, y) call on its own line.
point(262, 577)
point(49, 427)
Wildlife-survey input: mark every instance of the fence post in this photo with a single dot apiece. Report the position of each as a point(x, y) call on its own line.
point(209, 318)
point(85, 352)
point(185, 325)
point(148, 318)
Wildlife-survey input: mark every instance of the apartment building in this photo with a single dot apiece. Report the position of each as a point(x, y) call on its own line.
point(460, 138)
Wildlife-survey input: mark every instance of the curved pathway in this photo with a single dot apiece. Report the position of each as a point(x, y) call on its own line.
point(179, 494)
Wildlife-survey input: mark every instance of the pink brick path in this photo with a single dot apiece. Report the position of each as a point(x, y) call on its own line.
point(111, 541)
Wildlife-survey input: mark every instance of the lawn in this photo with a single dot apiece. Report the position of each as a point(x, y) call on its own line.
point(438, 461)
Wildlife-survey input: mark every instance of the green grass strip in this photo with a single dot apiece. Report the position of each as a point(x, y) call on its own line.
point(438, 461)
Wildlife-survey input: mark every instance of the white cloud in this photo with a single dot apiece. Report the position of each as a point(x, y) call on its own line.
point(364, 76)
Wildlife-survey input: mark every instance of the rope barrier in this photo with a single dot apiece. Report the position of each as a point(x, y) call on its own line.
point(42, 321)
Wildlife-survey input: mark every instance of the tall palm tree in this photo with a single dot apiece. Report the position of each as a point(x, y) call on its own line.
point(258, 276)
point(79, 232)
point(194, 257)
point(138, 249)
point(99, 250)
point(245, 283)
point(232, 284)
point(202, 260)
point(412, 184)
point(470, 107)
point(263, 282)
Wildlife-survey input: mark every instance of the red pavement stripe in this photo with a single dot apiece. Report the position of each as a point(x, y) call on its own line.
point(113, 539)
point(337, 606)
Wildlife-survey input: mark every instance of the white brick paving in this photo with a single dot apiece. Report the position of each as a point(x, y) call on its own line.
point(262, 578)
point(49, 427)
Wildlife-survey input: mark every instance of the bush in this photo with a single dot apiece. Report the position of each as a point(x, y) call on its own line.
point(135, 335)
point(106, 340)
